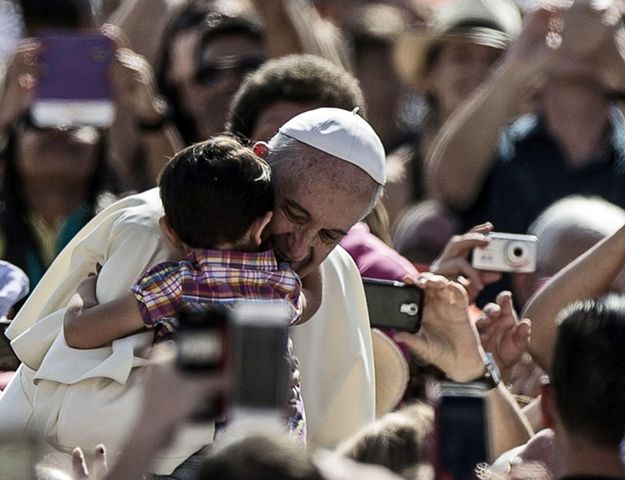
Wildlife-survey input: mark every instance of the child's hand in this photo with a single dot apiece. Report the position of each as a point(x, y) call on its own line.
point(86, 290)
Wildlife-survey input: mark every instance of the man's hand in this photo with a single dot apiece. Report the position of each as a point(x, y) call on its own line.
point(171, 396)
point(20, 82)
point(453, 263)
point(531, 53)
point(86, 290)
point(133, 80)
point(593, 40)
point(447, 337)
point(502, 334)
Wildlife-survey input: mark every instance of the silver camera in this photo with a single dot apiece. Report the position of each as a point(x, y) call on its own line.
point(507, 252)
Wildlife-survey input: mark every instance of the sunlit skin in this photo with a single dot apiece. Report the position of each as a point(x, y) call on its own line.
point(315, 211)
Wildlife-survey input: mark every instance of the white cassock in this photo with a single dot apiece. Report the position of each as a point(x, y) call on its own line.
point(85, 397)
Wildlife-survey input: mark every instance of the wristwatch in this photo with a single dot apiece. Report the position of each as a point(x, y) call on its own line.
point(491, 377)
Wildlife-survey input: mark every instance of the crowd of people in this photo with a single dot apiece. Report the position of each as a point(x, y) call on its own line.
point(269, 155)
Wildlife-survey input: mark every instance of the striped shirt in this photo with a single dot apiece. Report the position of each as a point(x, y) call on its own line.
point(215, 277)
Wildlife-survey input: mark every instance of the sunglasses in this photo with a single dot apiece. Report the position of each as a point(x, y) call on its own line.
point(211, 72)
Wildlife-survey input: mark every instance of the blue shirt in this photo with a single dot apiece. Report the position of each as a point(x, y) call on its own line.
point(530, 173)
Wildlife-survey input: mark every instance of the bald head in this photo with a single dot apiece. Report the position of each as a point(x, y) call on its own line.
point(571, 226)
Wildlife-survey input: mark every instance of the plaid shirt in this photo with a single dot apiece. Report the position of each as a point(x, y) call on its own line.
point(222, 277)
point(216, 277)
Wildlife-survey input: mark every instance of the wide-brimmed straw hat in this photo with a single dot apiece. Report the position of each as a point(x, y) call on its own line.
point(391, 372)
point(493, 23)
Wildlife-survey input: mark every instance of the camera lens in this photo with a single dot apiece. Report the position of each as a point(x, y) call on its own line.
point(517, 253)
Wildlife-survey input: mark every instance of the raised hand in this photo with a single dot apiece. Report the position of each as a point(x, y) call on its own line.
point(18, 91)
point(503, 334)
point(453, 263)
point(447, 337)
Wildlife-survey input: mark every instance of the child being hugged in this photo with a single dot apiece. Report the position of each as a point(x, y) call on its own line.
point(217, 198)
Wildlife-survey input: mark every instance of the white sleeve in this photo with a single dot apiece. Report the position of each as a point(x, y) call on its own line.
point(336, 356)
point(125, 239)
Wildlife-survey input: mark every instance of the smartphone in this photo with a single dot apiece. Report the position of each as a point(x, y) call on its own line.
point(259, 338)
point(73, 88)
point(393, 305)
point(507, 252)
point(202, 348)
point(460, 431)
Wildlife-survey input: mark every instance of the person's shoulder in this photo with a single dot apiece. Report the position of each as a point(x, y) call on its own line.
point(141, 209)
point(340, 263)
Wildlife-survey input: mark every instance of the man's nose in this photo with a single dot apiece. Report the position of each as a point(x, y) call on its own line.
point(302, 242)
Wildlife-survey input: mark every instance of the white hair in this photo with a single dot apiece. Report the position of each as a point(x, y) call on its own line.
point(572, 222)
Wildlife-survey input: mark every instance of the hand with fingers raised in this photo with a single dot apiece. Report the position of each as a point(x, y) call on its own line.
point(99, 465)
point(454, 262)
point(447, 338)
point(503, 334)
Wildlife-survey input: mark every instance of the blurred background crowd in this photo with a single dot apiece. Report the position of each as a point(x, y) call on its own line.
point(489, 111)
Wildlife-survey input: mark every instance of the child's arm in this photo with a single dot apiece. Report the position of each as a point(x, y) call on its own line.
point(89, 325)
point(312, 290)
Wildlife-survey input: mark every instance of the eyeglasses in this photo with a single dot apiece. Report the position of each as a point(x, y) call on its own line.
point(210, 72)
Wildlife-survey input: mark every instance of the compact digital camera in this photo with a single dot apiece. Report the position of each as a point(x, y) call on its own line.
point(507, 252)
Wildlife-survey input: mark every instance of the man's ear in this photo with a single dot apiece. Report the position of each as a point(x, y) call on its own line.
point(261, 149)
point(169, 232)
point(547, 405)
point(257, 227)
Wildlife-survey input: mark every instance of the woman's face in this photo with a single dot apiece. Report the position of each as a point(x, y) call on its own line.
point(52, 154)
point(460, 67)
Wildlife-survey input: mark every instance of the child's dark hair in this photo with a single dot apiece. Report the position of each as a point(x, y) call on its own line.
point(212, 191)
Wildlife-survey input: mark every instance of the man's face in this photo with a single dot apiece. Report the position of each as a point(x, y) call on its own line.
point(224, 63)
point(310, 218)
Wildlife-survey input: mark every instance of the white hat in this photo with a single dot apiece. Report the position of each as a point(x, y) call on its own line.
point(492, 23)
point(342, 134)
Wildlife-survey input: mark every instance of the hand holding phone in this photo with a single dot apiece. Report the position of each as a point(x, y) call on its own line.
point(73, 87)
point(447, 338)
point(393, 305)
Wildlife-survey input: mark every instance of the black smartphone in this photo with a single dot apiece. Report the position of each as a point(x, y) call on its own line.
point(259, 335)
point(393, 305)
point(461, 431)
point(202, 346)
